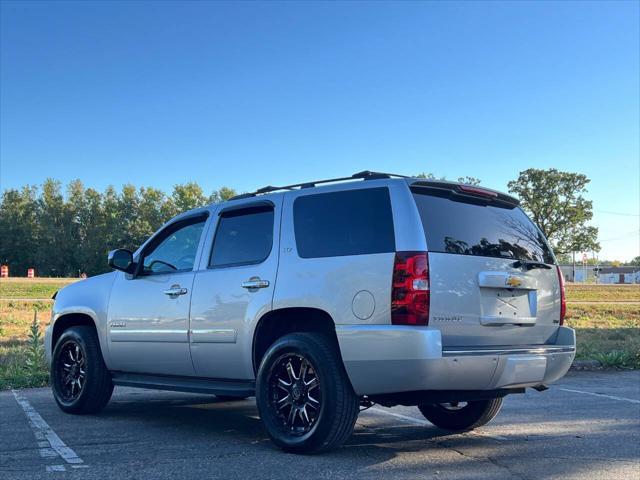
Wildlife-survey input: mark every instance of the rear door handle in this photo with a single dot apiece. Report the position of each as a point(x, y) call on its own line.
point(254, 283)
point(175, 291)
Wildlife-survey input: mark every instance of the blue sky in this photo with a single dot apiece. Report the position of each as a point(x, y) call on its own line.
point(249, 94)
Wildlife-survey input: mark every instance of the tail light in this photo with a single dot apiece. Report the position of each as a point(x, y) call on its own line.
point(563, 296)
point(410, 289)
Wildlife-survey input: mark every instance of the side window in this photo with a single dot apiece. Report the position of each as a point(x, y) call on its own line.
point(351, 222)
point(175, 249)
point(243, 237)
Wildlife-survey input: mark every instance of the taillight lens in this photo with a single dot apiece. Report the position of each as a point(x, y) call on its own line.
point(563, 296)
point(410, 289)
point(477, 191)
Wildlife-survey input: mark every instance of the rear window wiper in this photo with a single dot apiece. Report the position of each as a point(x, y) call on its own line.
point(529, 265)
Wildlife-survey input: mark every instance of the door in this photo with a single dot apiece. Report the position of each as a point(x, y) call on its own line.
point(234, 288)
point(148, 318)
point(492, 275)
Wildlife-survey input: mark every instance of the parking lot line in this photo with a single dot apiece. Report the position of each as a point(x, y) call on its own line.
point(611, 397)
point(406, 418)
point(423, 423)
point(46, 436)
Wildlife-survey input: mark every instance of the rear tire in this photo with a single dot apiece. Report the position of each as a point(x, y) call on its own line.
point(461, 418)
point(80, 380)
point(304, 397)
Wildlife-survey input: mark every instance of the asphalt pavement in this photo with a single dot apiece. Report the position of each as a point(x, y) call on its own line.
point(586, 426)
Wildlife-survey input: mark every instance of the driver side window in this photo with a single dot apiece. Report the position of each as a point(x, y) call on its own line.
point(175, 249)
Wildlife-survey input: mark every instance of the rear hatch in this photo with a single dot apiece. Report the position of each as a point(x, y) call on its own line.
point(492, 276)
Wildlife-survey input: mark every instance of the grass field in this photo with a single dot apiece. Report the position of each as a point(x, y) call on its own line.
point(606, 319)
point(32, 287)
point(603, 293)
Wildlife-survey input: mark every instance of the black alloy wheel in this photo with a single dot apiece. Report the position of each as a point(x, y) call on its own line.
point(294, 392)
point(70, 370)
point(80, 380)
point(304, 396)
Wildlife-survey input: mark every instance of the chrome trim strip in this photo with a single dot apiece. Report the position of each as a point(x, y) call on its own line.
point(148, 335)
point(510, 351)
point(213, 335)
point(497, 321)
point(150, 331)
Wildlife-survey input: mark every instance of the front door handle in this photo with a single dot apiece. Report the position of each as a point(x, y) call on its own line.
point(175, 291)
point(255, 283)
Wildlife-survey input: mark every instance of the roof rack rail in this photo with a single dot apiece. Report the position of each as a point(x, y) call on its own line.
point(364, 175)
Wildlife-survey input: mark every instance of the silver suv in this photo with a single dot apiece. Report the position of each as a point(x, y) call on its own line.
point(321, 298)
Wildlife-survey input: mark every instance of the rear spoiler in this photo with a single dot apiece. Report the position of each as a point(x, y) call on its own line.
point(461, 192)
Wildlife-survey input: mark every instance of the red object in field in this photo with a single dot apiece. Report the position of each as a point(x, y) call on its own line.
point(4, 271)
point(31, 273)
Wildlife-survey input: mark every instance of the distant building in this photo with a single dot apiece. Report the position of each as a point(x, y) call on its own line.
point(620, 275)
point(611, 275)
point(581, 273)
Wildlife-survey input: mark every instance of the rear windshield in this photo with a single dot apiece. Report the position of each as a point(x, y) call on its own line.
point(456, 226)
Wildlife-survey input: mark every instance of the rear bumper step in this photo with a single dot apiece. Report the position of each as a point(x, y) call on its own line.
point(382, 359)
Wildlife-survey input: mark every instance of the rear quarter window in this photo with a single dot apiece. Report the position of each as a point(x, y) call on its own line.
point(350, 222)
point(468, 227)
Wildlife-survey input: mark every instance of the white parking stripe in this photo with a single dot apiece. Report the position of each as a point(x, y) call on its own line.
point(612, 397)
point(422, 423)
point(56, 468)
point(406, 418)
point(46, 436)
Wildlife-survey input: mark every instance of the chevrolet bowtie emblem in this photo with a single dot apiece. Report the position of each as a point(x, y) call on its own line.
point(513, 282)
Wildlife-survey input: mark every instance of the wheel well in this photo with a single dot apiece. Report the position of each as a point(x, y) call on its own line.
point(279, 323)
point(67, 321)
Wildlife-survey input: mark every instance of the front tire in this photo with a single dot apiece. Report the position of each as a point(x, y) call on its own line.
point(80, 380)
point(304, 397)
point(461, 418)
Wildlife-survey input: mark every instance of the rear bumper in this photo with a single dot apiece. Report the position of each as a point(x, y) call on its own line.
point(390, 359)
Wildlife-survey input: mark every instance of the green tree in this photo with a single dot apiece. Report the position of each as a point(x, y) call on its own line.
point(19, 214)
point(466, 179)
point(128, 205)
point(63, 234)
point(429, 176)
point(110, 221)
point(151, 213)
point(555, 202)
point(187, 196)
point(95, 247)
point(469, 180)
point(54, 232)
point(222, 194)
point(79, 252)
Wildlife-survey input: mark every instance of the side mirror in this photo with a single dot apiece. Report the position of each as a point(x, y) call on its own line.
point(121, 259)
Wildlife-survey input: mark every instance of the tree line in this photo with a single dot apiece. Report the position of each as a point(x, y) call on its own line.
point(64, 234)
point(68, 232)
